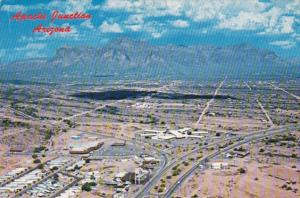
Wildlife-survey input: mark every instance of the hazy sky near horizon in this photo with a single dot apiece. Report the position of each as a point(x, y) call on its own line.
point(269, 24)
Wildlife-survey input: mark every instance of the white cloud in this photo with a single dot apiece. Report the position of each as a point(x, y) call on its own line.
point(2, 51)
point(33, 38)
point(72, 5)
point(270, 22)
point(293, 6)
point(135, 19)
point(157, 34)
point(265, 17)
point(32, 46)
point(283, 44)
point(135, 22)
point(87, 24)
point(197, 10)
point(79, 5)
point(13, 8)
point(35, 54)
point(285, 25)
point(33, 50)
point(155, 29)
point(180, 23)
point(147, 7)
point(275, 17)
point(204, 31)
point(110, 27)
point(134, 28)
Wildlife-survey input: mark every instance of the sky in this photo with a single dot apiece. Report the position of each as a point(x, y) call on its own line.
point(268, 24)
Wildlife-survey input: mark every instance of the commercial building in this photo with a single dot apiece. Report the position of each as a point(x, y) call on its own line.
point(168, 134)
point(219, 165)
point(85, 148)
point(141, 176)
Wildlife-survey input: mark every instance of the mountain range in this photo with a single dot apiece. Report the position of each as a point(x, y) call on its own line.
point(124, 58)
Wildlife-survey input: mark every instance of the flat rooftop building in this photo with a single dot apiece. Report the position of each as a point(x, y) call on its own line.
point(85, 148)
point(17, 148)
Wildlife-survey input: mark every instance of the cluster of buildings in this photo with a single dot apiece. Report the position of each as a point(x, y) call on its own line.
point(137, 176)
point(11, 175)
point(22, 182)
point(123, 180)
point(59, 162)
point(168, 134)
point(33, 181)
point(63, 176)
point(46, 188)
point(74, 191)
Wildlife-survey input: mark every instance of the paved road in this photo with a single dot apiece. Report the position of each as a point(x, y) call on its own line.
point(148, 186)
point(262, 107)
point(92, 110)
point(248, 139)
point(84, 112)
point(247, 85)
point(151, 183)
point(209, 102)
point(265, 112)
point(154, 179)
point(291, 94)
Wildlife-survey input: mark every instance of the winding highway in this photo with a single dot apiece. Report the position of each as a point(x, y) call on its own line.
point(256, 136)
point(156, 178)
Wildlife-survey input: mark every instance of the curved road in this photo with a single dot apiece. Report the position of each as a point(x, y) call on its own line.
point(152, 182)
point(173, 188)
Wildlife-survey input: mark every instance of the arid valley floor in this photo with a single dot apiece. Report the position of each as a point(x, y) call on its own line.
point(220, 138)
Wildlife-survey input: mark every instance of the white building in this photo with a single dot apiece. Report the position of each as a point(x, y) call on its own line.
point(171, 134)
point(219, 165)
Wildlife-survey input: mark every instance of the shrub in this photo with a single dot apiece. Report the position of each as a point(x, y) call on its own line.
point(294, 155)
point(41, 166)
point(34, 156)
point(261, 150)
point(86, 187)
point(242, 170)
point(37, 161)
point(48, 134)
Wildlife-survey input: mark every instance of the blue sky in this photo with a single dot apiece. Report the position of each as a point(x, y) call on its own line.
point(273, 25)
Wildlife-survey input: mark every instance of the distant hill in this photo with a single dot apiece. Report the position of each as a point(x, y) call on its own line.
point(124, 58)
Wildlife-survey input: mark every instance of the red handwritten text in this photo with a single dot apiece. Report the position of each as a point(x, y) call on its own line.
point(76, 15)
point(55, 15)
point(51, 30)
point(19, 16)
